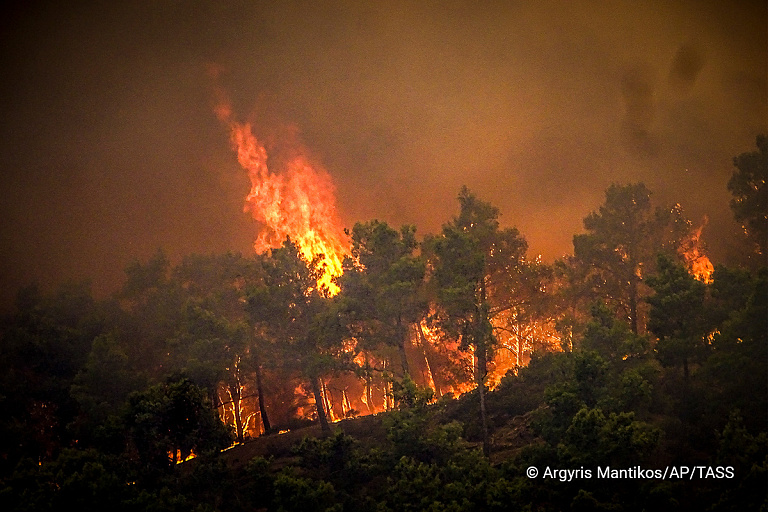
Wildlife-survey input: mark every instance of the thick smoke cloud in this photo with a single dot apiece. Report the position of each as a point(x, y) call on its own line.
point(110, 148)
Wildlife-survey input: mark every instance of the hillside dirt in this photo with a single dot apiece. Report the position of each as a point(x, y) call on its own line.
point(506, 440)
point(366, 429)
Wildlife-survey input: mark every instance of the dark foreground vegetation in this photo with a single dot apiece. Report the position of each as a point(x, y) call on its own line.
point(655, 399)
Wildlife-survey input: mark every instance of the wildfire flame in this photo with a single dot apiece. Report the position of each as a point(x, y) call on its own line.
point(517, 341)
point(295, 198)
point(297, 201)
point(696, 261)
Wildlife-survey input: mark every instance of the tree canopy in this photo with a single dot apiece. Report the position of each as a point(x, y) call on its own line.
point(750, 195)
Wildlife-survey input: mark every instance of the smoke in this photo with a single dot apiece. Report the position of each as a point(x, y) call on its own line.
point(685, 69)
point(638, 92)
point(110, 148)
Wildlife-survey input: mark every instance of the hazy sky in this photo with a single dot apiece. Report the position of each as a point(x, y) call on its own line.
point(109, 147)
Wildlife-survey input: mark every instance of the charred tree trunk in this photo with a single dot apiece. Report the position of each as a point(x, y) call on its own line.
point(216, 401)
point(262, 404)
point(320, 404)
point(255, 342)
point(402, 335)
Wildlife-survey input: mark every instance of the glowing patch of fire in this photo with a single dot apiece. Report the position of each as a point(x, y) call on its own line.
point(696, 261)
point(297, 202)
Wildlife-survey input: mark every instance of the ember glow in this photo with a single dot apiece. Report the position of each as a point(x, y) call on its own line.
point(517, 342)
point(297, 201)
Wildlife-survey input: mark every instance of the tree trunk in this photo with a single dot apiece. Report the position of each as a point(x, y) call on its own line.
point(319, 404)
point(346, 404)
point(262, 405)
point(368, 385)
point(327, 401)
point(402, 335)
point(255, 342)
point(215, 399)
point(234, 394)
point(634, 285)
point(482, 335)
point(481, 369)
point(633, 304)
point(431, 376)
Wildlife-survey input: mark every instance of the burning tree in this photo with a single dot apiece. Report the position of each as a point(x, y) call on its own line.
point(290, 197)
point(473, 261)
point(692, 253)
point(297, 317)
point(382, 283)
point(215, 344)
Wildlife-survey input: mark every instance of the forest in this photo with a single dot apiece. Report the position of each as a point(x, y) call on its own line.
point(432, 374)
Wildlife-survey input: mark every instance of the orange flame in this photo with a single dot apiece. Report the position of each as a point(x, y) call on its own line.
point(696, 261)
point(517, 341)
point(298, 201)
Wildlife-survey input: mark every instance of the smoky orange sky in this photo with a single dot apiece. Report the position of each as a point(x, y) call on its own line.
point(110, 148)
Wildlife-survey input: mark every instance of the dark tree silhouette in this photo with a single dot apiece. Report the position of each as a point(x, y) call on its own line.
point(750, 195)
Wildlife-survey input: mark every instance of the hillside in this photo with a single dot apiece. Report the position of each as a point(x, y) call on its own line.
point(429, 457)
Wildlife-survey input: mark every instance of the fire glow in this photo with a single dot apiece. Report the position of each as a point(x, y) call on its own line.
point(692, 252)
point(297, 201)
point(292, 197)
